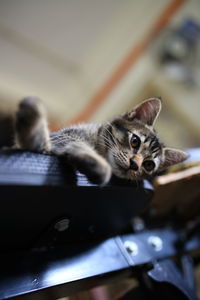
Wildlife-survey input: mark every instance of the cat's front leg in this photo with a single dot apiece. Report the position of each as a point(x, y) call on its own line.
point(84, 158)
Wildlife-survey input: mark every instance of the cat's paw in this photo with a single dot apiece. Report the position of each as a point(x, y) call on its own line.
point(29, 112)
point(97, 170)
point(100, 173)
point(31, 126)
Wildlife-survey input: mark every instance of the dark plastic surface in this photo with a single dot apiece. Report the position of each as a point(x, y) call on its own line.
point(44, 203)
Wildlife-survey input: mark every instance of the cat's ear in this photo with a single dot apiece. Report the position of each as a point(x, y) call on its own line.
point(146, 112)
point(173, 156)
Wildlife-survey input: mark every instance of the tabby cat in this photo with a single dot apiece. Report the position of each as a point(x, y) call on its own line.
point(127, 146)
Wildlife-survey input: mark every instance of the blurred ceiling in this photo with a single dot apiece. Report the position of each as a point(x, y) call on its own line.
point(64, 51)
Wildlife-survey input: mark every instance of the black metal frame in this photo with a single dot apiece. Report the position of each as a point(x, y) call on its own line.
point(61, 271)
point(55, 268)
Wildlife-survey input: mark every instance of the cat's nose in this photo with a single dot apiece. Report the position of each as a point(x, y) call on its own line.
point(133, 165)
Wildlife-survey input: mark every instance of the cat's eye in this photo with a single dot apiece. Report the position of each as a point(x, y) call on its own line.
point(149, 165)
point(135, 141)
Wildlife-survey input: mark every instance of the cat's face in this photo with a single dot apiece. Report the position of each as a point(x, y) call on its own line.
point(133, 148)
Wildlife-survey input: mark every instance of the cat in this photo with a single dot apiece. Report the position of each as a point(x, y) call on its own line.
point(127, 146)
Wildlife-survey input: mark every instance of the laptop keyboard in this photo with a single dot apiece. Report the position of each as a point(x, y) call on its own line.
point(28, 168)
point(28, 162)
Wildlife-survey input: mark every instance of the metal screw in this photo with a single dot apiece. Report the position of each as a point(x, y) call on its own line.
point(155, 242)
point(138, 224)
point(62, 225)
point(131, 247)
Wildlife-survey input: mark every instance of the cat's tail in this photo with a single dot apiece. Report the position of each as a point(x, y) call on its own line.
point(32, 131)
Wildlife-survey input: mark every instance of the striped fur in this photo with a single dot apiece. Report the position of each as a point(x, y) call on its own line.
point(128, 146)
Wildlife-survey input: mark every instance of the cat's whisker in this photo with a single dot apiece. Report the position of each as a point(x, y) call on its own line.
point(105, 144)
point(108, 142)
point(123, 155)
point(111, 142)
point(122, 162)
point(109, 145)
point(110, 133)
point(105, 137)
point(105, 140)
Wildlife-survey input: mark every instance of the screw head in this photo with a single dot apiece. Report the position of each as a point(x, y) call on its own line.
point(138, 224)
point(131, 247)
point(62, 225)
point(155, 242)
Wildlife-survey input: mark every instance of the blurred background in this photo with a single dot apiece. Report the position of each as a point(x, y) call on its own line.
point(89, 60)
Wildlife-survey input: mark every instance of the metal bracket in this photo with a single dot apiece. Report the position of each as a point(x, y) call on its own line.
point(166, 271)
point(156, 248)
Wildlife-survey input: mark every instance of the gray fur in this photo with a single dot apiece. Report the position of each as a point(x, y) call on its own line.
point(98, 150)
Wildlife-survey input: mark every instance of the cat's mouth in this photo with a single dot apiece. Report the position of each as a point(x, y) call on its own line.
point(126, 172)
point(134, 175)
